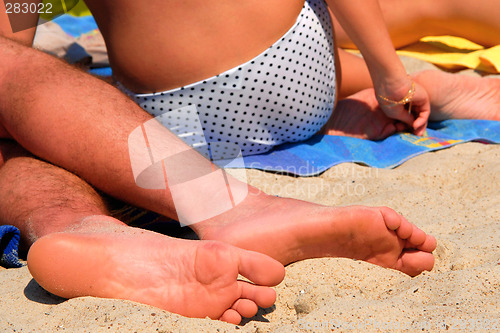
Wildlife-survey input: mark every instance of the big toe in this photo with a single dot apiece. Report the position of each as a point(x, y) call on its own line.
point(260, 268)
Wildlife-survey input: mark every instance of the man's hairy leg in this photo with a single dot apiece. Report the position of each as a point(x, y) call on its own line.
point(73, 120)
point(77, 250)
point(39, 198)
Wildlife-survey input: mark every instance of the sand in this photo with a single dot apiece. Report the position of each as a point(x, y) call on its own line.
point(452, 194)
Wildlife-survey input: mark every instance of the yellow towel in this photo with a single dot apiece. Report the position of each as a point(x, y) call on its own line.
point(80, 9)
point(455, 53)
point(59, 7)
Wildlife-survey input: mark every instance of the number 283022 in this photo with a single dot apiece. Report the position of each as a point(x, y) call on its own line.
point(25, 8)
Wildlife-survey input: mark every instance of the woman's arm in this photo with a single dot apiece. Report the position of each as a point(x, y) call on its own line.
point(363, 22)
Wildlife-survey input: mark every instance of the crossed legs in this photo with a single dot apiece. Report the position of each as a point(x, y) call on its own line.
point(79, 250)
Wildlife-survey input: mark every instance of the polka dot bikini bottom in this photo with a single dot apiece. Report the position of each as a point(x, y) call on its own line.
point(285, 94)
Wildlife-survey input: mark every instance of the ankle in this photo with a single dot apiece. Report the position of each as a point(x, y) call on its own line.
point(254, 202)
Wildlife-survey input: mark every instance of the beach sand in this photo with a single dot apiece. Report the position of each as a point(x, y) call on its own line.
point(452, 194)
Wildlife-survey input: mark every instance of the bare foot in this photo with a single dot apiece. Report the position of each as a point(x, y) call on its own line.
point(359, 116)
point(192, 278)
point(292, 230)
point(455, 96)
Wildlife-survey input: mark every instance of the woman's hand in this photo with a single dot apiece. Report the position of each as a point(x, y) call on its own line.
point(362, 20)
point(406, 101)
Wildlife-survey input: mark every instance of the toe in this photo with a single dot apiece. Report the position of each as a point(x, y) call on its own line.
point(260, 268)
point(245, 307)
point(429, 244)
point(416, 239)
point(262, 296)
point(391, 218)
point(414, 262)
point(231, 316)
point(387, 131)
point(405, 230)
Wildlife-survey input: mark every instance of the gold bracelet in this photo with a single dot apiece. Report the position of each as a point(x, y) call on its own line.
point(405, 100)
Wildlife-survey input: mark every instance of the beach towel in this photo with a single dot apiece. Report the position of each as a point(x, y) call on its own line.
point(9, 245)
point(455, 53)
point(321, 152)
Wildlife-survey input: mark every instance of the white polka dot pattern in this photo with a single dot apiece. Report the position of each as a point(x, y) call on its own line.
point(285, 94)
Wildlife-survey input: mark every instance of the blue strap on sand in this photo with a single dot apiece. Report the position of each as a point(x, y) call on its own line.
point(9, 245)
point(321, 152)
